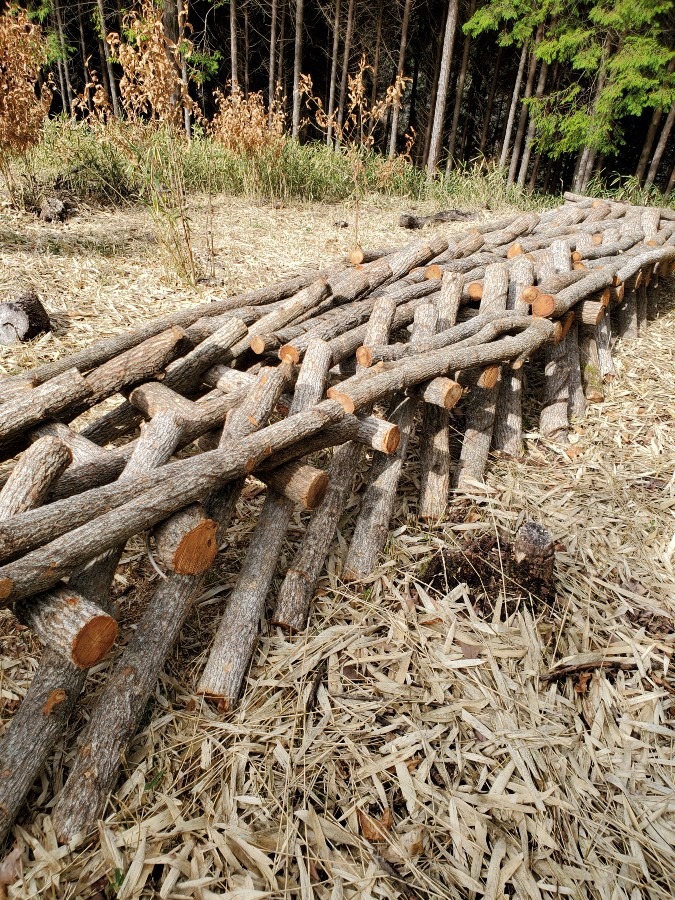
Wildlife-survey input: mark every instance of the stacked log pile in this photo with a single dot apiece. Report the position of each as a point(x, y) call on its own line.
point(355, 359)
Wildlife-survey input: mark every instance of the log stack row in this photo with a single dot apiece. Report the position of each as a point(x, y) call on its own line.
point(420, 338)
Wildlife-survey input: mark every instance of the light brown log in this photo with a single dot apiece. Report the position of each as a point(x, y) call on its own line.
point(47, 400)
point(590, 312)
point(641, 308)
point(33, 475)
point(523, 224)
point(302, 484)
point(186, 543)
point(481, 403)
point(182, 373)
point(82, 450)
point(303, 302)
point(70, 625)
point(627, 317)
point(590, 366)
point(299, 584)
point(508, 427)
point(603, 340)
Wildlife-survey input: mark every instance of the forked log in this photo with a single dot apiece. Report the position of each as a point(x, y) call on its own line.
point(237, 635)
point(482, 401)
point(299, 585)
point(435, 431)
point(508, 428)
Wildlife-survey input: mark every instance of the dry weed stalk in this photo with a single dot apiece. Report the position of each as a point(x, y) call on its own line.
point(22, 111)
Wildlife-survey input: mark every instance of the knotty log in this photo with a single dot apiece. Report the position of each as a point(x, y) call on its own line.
point(47, 400)
point(508, 428)
point(32, 476)
point(590, 366)
point(299, 585)
point(435, 430)
point(482, 401)
point(23, 319)
point(237, 634)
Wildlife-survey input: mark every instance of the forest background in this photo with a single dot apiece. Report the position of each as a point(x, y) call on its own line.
point(319, 100)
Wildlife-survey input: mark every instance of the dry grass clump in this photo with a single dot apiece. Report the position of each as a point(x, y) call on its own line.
point(245, 125)
point(22, 112)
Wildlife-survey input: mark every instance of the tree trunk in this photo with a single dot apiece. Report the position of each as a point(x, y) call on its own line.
point(539, 93)
point(23, 319)
point(459, 92)
point(393, 139)
point(376, 60)
point(281, 69)
point(69, 98)
point(297, 65)
point(490, 103)
point(504, 156)
point(660, 147)
point(412, 111)
point(246, 50)
point(333, 72)
point(271, 90)
point(522, 121)
point(434, 92)
point(234, 54)
point(345, 67)
point(650, 136)
point(85, 56)
point(671, 181)
point(108, 61)
point(444, 78)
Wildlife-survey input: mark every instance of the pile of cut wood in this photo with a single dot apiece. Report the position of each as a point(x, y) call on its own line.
point(353, 359)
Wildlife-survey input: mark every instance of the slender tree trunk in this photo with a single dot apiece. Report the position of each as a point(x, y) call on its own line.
point(522, 121)
point(503, 159)
point(333, 72)
point(376, 60)
point(281, 70)
point(246, 50)
point(434, 94)
point(490, 103)
point(234, 53)
point(297, 64)
point(62, 86)
point(671, 181)
point(539, 93)
point(345, 67)
point(83, 51)
point(104, 73)
point(444, 78)
point(660, 147)
point(399, 74)
point(273, 57)
point(459, 93)
point(412, 111)
point(108, 63)
point(68, 99)
point(181, 20)
point(535, 173)
point(651, 136)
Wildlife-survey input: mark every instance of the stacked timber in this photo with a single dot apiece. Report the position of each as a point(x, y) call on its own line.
point(356, 359)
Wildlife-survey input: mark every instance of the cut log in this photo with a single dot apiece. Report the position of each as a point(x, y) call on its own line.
point(553, 419)
point(299, 585)
point(235, 641)
point(184, 372)
point(627, 315)
point(508, 428)
point(482, 402)
point(33, 475)
point(603, 341)
point(303, 302)
point(576, 404)
point(641, 308)
point(43, 402)
point(186, 543)
point(23, 319)
point(409, 220)
point(590, 366)
point(70, 625)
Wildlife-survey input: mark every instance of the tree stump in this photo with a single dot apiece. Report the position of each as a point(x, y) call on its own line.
point(23, 319)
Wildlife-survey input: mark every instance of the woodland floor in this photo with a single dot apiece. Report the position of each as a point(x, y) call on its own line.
point(416, 741)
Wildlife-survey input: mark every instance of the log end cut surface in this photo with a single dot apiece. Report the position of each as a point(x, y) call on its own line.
point(94, 641)
point(197, 550)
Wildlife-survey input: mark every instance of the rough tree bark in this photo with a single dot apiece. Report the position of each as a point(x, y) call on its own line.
point(393, 139)
point(661, 147)
point(522, 120)
point(333, 72)
point(443, 80)
point(504, 156)
point(459, 93)
point(297, 65)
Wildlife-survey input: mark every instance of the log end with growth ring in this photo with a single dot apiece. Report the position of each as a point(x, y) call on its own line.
point(356, 256)
point(186, 543)
point(364, 357)
point(94, 641)
point(489, 377)
point(530, 294)
point(305, 485)
point(289, 354)
point(514, 250)
point(433, 272)
point(543, 306)
point(333, 393)
point(475, 290)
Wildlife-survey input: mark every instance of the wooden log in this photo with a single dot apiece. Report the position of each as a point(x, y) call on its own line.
point(409, 220)
point(299, 584)
point(186, 543)
point(113, 425)
point(23, 319)
point(372, 524)
point(481, 404)
point(603, 341)
point(576, 404)
point(520, 225)
point(33, 475)
point(435, 429)
point(303, 302)
point(590, 366)
point(70, 625)
point(553, 419)
point(45, 401)
point(627, 315)
point(465, 246)
point(235, 641)
point(641, 304)
point(181, 374)
point(594, 282)
point(508, 428)
point(649, 222)
point(590, 312)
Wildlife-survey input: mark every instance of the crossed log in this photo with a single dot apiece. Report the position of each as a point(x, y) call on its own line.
point(253, 386)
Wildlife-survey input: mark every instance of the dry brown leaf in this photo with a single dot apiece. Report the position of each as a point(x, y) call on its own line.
point(375, 828)
point(10, 867)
